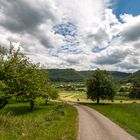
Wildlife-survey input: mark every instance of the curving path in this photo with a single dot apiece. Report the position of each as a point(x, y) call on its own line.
point(95, 126)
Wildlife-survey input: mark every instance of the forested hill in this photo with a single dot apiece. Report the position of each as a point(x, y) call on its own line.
point(65, 75)
point(71, 75)
point(136, 74)
point(132, 77)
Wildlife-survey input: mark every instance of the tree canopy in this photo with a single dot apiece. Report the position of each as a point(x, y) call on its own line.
point(20, 78)
point(99, 86)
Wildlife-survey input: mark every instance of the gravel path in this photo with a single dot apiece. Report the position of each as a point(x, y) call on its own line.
point(95, 126)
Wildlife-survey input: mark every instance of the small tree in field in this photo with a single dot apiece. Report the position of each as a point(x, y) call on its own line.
point(135, 90)
point(50, 93)
point(99, 86)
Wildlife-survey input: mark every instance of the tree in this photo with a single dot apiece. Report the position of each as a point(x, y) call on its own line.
point(135, 90)
point(5, 90)
point(99, 86)
point(20, 78)
point(14, 67)
point(30, 84)
point(51, 93)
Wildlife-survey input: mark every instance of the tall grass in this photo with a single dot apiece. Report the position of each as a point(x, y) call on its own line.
point(56, 121)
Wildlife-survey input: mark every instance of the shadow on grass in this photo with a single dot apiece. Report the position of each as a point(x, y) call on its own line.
point(23, 109)
point(48, 104)
point(95, 104)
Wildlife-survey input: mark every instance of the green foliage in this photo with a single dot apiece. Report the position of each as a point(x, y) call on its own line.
point(124, 89)
point(135, 90)
point(99, 86)
point(64, 75)
point(53, 93)
point(50, 93)
point(20, 78)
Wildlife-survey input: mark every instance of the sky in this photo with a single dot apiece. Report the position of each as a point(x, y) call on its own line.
point(83, 35)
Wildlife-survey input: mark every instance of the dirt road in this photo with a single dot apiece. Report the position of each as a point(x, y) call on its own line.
point(95, 126)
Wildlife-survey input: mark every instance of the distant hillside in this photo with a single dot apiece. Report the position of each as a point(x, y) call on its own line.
point(132, 77)
point(71, 75)
point(136, 74)
point(64, 75)
point(119, 76)
point(85, 74)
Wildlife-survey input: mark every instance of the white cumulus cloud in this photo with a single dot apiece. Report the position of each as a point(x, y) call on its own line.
point(99, 40)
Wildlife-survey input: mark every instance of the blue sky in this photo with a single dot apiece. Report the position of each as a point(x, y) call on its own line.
point(127, 7)
point(83, 35)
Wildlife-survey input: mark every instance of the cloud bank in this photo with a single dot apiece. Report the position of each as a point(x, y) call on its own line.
point(71, 34)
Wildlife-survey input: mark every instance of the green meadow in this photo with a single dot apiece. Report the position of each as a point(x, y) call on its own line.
point(55, 121)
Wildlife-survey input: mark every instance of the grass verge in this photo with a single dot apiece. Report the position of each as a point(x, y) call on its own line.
point(55, 121)
point(125, 115)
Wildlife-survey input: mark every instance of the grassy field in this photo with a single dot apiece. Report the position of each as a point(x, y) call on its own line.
point(73, 96)
point(55, 121)
point(125, 115)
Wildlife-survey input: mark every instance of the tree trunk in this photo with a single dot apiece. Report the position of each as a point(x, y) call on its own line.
point(46, 101)
point(32, 105)
point(3, 104)
point(98, 100)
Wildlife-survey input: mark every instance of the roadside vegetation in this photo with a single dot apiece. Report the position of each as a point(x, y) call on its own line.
point(25, 108)
point(125, 115)
point(55, 121)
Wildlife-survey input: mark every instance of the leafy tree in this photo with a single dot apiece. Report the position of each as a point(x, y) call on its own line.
point(49, 91)
point(30, 84)
point(135, 90)
point(20, 78)
point(53, 93)
point(4, 88)
point(99, 86)
point(13, 65)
